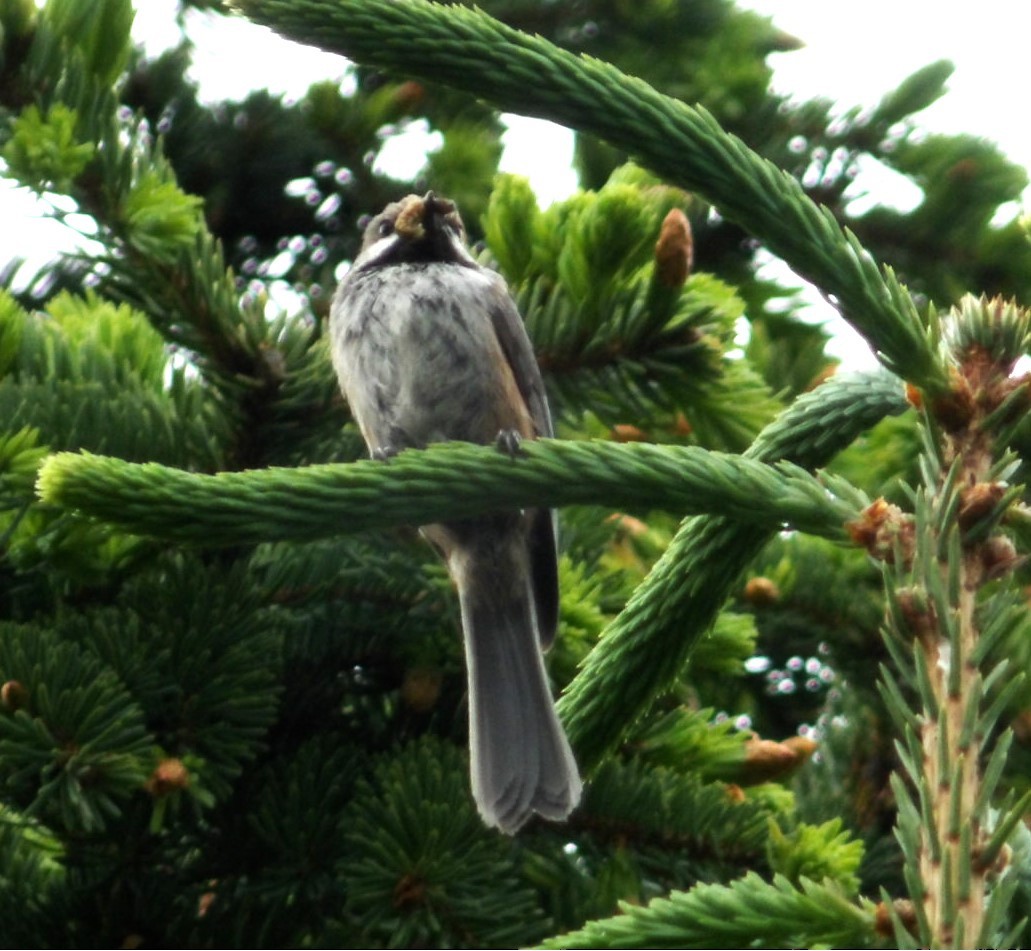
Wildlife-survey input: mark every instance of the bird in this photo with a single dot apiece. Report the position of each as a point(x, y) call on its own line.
point(429, 346)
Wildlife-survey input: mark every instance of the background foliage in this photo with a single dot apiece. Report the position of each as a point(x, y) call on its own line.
point(264, 744)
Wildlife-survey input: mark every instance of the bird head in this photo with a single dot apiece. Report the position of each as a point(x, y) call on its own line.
point(415, 229)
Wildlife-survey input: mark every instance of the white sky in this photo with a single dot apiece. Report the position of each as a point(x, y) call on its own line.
point(854, 53)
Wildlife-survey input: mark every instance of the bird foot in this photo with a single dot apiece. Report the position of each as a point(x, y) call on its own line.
point(509, 442)
point(383, 453)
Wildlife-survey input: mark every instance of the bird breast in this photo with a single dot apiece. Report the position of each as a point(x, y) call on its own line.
point(416, 350)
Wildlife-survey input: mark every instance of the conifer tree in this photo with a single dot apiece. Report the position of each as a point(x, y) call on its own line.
point(793, 644)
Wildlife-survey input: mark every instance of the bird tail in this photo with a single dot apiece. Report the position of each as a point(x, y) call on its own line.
point(521, 761)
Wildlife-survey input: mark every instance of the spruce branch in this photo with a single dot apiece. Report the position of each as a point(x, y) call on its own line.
point(415, 843)
point(644, 650)
point(734, 916)
point(612, 329)
point(469, 50)
point(672, 809)
point(159, 254)
point(949, 830)
point(73, 741)
point(444, 482)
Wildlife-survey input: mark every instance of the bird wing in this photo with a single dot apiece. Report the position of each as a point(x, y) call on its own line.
point(515, 344)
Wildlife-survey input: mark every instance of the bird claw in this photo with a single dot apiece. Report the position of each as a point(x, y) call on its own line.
point(383, 453)
point(509, 442)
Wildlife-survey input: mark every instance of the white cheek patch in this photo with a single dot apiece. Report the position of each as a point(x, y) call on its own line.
point(375, 252)
point(384, 248)
point(460, 251)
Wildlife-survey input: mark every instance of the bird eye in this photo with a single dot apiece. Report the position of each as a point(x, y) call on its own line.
point(386, 227)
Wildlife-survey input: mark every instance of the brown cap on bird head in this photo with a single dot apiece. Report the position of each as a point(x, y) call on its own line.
point(419, 214)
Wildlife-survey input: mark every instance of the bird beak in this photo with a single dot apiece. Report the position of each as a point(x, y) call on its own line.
point(434, 211)
point(437, 206)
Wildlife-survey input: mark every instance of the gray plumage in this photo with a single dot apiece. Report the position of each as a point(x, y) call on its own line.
point(428, 346)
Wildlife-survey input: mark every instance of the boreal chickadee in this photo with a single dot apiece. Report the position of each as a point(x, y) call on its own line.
point(428, 347)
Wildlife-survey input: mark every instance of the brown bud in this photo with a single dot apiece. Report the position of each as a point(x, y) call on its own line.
point(682, 425)
point(767, 759)
point(14, 696)
point(674, 251)
point(863, 531)
point(420, 689)
point(977, 501)
point(918, 614)
point(761, 592)
point(628, 524)
point(409, 891)
point(624, 432)
point(735, 793)
point(829, 371)
point(998, 557)
point(955, 409)
point(1004, 389)
point(881, 529)
point(206, 899)
point(903, 910)
point(1022, 726)
point(1002, 861)
point(170, 775)
point(914, 397)
point(802, 746)
point(409, 95)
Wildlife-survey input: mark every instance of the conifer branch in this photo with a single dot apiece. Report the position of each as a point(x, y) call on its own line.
point(469, 50)
point(937, 615)
point(644, 649)
point(444, 482)
point(781, 913)
point(159, 254)
point(672, 808)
